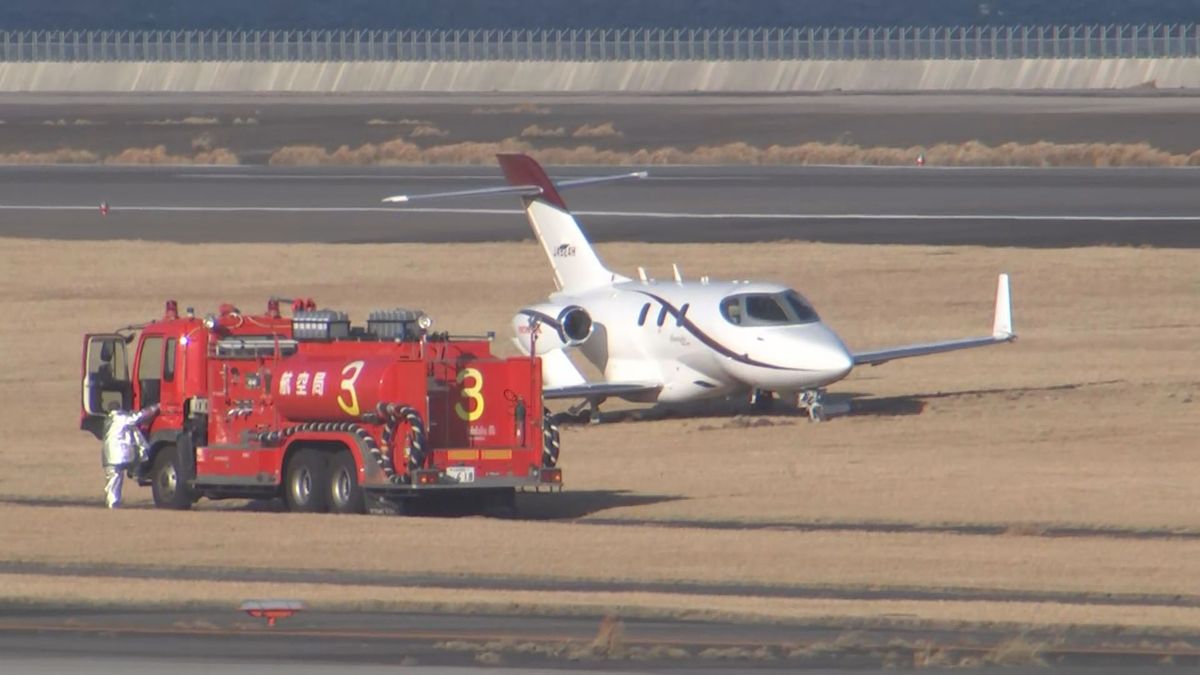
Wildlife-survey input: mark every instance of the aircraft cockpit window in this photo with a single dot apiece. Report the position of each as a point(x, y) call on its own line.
point(804, 312)
point(768, 309)
point(765, 309)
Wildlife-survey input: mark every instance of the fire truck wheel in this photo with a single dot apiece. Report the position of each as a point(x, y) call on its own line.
point(550, 440)
point(169, 489)
point(306, 482)
point(345, 494)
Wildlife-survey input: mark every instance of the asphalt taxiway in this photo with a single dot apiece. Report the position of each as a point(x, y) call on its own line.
point(900, 205)
point(69, 640)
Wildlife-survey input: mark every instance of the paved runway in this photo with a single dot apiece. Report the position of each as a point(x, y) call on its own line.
point(907, 205)
point(69, 640)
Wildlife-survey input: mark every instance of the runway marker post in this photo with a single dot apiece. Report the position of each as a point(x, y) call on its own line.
point(272, 610)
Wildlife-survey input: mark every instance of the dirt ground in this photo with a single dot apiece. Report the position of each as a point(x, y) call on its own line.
point(1089, 420)
point(254, 128)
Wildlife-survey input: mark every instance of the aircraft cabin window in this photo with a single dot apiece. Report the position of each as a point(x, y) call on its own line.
point(642, 316)
point(731, 309)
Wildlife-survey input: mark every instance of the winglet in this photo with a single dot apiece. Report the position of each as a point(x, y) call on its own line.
point(1002, 325)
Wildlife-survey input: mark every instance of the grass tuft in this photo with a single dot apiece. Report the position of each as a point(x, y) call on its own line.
point(538, 131)
point(972, 153)
point(605, 130)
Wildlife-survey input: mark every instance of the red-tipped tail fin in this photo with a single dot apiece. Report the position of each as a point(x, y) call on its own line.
point(521, 170)
point(576, 265)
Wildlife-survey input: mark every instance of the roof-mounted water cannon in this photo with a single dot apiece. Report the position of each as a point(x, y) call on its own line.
point(171, 311)
point(399, 324)
point(227, 315)
point(273, 308)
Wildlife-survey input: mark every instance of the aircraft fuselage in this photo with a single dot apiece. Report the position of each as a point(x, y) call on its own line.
point(709, 339)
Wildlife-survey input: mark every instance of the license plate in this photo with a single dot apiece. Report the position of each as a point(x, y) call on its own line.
point(462, 474)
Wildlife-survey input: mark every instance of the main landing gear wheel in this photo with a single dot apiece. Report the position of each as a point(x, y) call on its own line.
point(345, 493)
point(587, 411)
point(761, 400)
point(306, 482)
point(168, 485)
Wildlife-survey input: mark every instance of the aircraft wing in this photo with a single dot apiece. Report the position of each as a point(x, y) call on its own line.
point(1002, 331)
point(599, 389)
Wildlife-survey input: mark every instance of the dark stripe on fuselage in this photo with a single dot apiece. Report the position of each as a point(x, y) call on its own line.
point(709, 341)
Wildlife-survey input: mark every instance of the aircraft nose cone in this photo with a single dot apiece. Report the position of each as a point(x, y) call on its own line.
point(833, 361)
point(828, 356)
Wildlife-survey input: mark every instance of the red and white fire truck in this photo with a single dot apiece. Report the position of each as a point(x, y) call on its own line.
point(331, 417)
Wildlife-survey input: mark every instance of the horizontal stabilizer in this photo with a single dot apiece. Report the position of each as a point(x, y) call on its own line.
point(592, 180)
point(523, 190)
point(1002, 331)
point(526, 190)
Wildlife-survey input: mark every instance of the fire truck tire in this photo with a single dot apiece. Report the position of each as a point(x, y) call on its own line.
point(306, 482)
point(345, 493)
point(168, 485)
point(550, 440)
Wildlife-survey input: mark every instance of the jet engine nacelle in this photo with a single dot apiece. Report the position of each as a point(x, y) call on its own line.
point(551, 327)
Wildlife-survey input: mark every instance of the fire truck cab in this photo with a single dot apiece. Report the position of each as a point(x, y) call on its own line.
point(329, 416)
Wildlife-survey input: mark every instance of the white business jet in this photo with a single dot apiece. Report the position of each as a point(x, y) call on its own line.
point(675, 341)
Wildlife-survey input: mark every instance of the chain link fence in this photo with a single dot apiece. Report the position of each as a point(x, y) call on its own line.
point(684, 44)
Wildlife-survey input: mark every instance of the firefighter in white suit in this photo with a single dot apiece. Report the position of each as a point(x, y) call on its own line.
point(125, 446)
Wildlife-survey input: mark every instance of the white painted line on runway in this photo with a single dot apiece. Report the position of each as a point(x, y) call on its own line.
point(373, 176)
point(663, 215)
point(447, 177)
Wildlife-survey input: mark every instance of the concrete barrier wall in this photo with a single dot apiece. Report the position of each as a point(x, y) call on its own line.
point(608, 76)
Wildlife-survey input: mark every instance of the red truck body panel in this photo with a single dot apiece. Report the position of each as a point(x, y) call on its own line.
point(248, 392)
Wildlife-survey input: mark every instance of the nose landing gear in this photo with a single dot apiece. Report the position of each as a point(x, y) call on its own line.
point(819, 410)
point(812, 401)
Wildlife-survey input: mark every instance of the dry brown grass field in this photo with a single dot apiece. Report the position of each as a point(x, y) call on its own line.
point(1090, 419)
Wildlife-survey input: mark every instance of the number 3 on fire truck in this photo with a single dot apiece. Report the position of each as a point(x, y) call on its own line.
point(350, 376)
point(471, 393)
